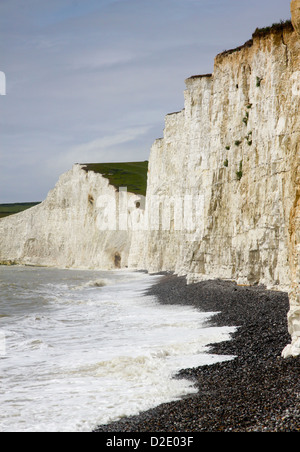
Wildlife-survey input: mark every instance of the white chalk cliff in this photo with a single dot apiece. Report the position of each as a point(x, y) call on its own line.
point(223, 195)
point(81, 224)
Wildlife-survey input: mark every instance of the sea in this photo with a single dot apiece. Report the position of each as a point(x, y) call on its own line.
point(81, 348)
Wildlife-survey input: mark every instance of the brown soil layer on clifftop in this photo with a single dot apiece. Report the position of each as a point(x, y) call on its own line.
point(279, 27)
point(257, 391)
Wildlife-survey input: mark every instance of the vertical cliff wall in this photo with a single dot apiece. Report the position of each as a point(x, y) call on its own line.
point(293, 220)
point(229, 162)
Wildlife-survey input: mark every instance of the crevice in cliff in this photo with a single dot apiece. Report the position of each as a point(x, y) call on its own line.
point(286, 49)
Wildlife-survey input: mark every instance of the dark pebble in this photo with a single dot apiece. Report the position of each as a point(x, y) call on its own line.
point(258, 391)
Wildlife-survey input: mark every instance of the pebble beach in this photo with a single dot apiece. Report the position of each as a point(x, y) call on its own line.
point(257, 391)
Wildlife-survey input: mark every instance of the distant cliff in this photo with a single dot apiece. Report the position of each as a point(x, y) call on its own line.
point(84, 223)
point(223, 193)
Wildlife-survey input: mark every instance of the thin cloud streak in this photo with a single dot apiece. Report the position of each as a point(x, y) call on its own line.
point(82, 75)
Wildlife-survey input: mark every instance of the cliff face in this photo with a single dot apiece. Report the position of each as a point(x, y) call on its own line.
point(223, 196)
point(232, 154)
point(231, 159)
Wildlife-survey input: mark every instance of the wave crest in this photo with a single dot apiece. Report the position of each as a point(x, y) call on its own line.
point(92, 283)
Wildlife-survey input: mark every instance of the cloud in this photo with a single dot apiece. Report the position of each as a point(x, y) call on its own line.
point(93, 80)
point(104, 147)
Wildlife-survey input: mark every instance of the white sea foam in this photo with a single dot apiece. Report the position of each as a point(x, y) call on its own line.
point(79, 354)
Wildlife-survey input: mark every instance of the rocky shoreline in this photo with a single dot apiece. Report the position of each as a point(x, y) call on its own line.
point(258, 391)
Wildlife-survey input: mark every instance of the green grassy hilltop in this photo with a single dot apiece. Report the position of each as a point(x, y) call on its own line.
point(132, 175)
point(11, 209)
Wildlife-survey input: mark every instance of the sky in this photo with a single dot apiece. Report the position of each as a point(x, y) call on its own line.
point(91, 81)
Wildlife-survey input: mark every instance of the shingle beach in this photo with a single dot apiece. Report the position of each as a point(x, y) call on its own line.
point(258, 391)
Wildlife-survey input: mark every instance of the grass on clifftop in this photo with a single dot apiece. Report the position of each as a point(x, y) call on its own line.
point(275, 28)
point(132, 175)
point(11, 209)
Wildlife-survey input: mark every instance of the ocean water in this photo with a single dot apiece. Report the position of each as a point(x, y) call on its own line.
point(83, 348)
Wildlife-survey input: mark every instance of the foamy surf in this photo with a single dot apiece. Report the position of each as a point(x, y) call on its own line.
point(93, 283)
point(79, 354)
